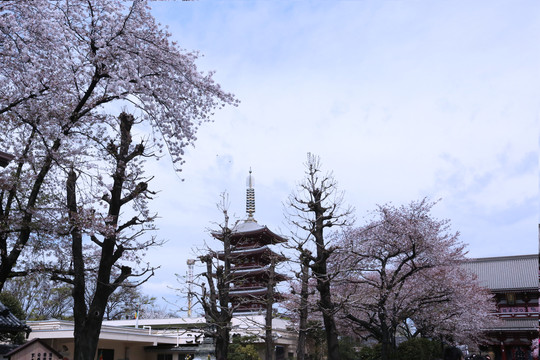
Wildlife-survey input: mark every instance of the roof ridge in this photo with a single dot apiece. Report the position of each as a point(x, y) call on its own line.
point(502, 258)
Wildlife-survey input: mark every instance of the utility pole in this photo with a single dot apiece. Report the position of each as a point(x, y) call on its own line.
point(190, 263)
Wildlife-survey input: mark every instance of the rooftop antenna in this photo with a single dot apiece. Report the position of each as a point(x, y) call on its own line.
point(250, 198)
point(190, 263)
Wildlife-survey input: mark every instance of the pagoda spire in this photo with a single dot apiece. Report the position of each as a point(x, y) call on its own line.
point(250, 198)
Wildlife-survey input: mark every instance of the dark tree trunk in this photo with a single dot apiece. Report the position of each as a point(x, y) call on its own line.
point(329, 323)
point(9, 260)
point(87, 325)
point(303, 311)
point(268, 340)
point(222, 342)
point(387, 336)
point(88, 320)
point(385, 343)
point(320, 272)
point(216, 303)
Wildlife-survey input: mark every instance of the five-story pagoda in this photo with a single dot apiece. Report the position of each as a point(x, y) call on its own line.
point(252, 260)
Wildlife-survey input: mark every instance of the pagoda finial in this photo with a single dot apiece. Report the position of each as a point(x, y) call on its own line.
point(250, 198)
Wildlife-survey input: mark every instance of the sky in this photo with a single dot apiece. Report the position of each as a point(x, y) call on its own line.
point(401, 100)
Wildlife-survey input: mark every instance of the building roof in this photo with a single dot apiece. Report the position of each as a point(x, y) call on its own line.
point(527, 324)
point(31, 342)
point(264, 251)
point(160, 323)
point(253, 292)
point(256, 270)
point(507, 273)
point(9, 322)
point(160, 332)
point(250, 228)
point(63, 329)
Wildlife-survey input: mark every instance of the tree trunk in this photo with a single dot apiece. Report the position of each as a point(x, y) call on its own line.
point(329, 324)
point(386, 341)
point(303, 311)
point(216, 304)
point(10, 260)
point(268, 340)
point(86, 338)
point(222, 342)
point(88, 320)
point(320, 272)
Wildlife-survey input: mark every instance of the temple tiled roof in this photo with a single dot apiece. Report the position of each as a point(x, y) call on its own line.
point(252, 292)
point(506, 273)
point(9, 322)
point(250, 228)
point(257, 270)
point(264, 251)
point(516, 325)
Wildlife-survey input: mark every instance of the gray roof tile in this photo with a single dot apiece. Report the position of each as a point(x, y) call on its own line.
point(9, 322)
point(506, 273)
point(516, 324)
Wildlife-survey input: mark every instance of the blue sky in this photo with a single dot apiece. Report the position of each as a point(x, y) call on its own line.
point(400, 99)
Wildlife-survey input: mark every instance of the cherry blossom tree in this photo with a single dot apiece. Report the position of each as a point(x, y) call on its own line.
point(100, 247)
point(467, 308)
point(403, 266)
point(316, 206)
point(66, 68)
point(534, 348)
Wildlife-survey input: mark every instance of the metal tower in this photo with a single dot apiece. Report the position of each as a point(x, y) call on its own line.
point(190, 264)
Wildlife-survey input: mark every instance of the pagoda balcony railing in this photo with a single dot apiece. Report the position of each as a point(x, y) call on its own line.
point(248, 287)
point(244, 266)
point(238, 270)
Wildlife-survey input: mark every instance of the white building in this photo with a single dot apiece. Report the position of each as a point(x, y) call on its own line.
point(162, 339)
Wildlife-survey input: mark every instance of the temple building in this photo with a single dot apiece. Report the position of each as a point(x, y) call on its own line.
point(253, 262)
point(513, 281)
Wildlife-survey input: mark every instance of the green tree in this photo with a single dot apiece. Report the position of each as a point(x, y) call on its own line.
point(315, 340)
point(370, 352)
point(14, 305)
point(348, 348)
point(419, 349)
point(243, 348)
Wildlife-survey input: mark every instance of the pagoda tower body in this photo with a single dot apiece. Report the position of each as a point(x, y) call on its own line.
point(252, 260)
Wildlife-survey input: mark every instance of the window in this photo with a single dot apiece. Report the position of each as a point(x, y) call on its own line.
point(164, 357)
point(510, 298)
point(105, 354)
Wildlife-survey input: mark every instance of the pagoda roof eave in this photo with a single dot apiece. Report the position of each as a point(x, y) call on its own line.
point(241, 292)
point(250, 228)
point(254, 271)
point(264, 250)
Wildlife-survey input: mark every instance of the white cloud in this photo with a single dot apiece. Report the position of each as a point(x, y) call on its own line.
point(400, 100)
